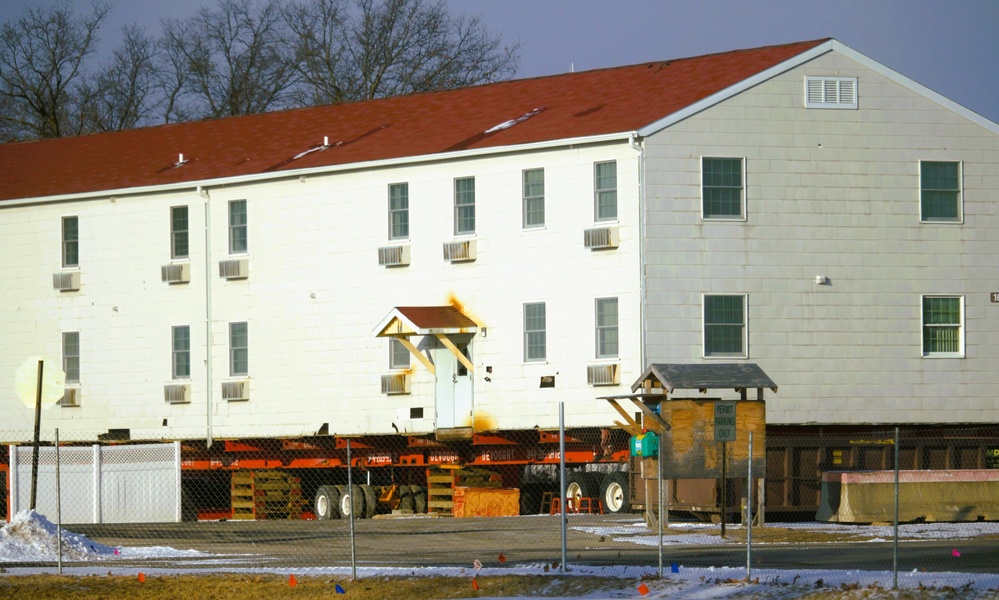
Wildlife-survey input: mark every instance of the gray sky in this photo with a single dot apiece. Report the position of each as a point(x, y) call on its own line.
point(950, 46)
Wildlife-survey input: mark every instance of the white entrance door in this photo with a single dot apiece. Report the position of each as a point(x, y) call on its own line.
point(454, 387)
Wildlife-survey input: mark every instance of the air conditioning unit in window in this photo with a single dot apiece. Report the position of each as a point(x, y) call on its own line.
point(393, 256)
point(71, 397)
point(234, 268)
point(462, 251)
point(600, 238)
point(66, 281)
point(396, 383)
point(176, 272)
point(236, 391)
point(602, 374)
point(177, 393)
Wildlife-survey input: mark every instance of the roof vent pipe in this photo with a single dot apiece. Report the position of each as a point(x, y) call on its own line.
point(326, 141)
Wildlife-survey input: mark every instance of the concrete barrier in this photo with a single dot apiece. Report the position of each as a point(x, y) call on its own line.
point(869, 496)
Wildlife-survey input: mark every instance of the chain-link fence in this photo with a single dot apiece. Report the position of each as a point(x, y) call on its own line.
point(495, 498)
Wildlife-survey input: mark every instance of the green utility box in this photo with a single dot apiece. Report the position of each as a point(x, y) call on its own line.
point(645, 445)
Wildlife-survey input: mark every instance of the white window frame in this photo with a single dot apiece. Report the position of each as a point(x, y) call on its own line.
point(602, 329)
point(829, 92)
point(922, 328)
point(597, 191)
point(234, 349)
point(745, 328)
point(72, 373)
point(176, 233)
point(529, 333)
point(234, 228)
point(176, 352)
point(402, 214)
point(396, 352)
point(532, 198)
point(742, 190)
point(960, 194)
point(464, 206)
point(67, 243)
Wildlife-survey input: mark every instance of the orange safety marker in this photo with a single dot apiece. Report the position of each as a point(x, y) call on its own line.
point(142, 577)
point(643, 589)
point(502, 558)
point(292, 582)
point(475, 584)
point(954, 552)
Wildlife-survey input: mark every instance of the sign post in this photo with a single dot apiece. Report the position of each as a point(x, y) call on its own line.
point(724, 432)
point(38, 388)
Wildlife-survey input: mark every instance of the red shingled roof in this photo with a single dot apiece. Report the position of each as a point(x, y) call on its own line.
point(603, 101)
point(436, 317)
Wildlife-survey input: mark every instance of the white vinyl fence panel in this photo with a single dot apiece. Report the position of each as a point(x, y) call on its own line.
point(101, 484)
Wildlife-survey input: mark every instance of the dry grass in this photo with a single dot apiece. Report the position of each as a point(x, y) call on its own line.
point(269, 587)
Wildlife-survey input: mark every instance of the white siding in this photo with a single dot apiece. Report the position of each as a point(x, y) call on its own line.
point(314, 296)
point(832, 193)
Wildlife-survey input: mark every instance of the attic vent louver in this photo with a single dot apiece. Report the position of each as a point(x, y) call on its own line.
point(831, 92)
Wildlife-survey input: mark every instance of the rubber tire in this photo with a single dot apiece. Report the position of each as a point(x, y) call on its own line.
point(351, 502)
point(419, 499)
point(580, 485)
point(614, 493)
point(326, 504)
point(405, 495)
point(370, 500)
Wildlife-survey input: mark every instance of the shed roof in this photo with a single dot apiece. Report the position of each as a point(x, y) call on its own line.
point(510, 113)
point(707, 376)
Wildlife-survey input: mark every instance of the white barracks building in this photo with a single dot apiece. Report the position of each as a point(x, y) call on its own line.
point(461, 262)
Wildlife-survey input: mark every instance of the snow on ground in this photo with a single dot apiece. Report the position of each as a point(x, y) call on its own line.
point(31, 538)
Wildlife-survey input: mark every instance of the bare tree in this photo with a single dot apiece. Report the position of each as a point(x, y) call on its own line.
point(361, 49)
point(234, 60)
point(42, 56)
point(121, 95)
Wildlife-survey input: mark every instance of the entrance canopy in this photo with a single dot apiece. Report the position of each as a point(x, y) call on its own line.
point(438, 321)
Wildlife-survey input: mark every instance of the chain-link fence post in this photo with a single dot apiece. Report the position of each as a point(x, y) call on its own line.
point(659, 521)
point(351, 501)
point(894, 558)
point(749, 511)
point(562, 485)
point(58, 499)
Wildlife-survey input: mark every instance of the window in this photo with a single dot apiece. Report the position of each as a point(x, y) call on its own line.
point(181, 351)
point(178, 232)
point(942, 330)
point(398, 211)
point(724, 325)
point(237, 227)
point(464, 205)
point(239, 349)
point(721, 188)
point(830, 92)
point(940, 191)
point(605, 190)
point(398, 355)
point(71, 356)
point(534, 198)
point(70, 242)
point(534, 331)
point(606, 319)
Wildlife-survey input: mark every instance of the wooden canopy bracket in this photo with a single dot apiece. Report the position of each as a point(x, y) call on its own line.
point(419, 355)
point(454, 350)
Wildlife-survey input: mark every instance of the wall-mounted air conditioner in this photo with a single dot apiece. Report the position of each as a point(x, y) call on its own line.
point(460, 251)
point(66, 281)
point(234, 268)
point(176, 272)
point(603, 374)
point(395, 383)
point(177, 393)
point(601, 238)
point(236, 391)
point(393, 256)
